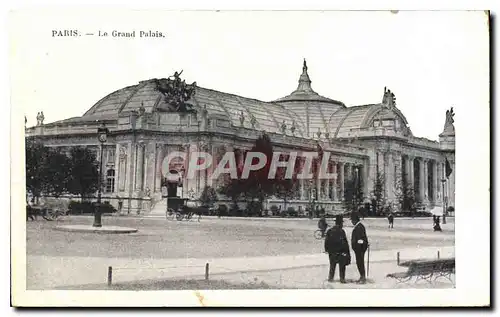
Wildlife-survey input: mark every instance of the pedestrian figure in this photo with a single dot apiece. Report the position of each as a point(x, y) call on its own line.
point(322, 225)
point(390, 218)
point(359, 244)
point(437, 226)
point(337, 247)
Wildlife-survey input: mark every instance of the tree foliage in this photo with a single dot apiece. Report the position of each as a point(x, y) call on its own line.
point(353, 195)
point(84, 172)
point(379, 193)
point(36, 158)
point(405, 194)
point(257, 187)
point(208, 196)
point(47, 170)
point(57, 173)
point(285, 189)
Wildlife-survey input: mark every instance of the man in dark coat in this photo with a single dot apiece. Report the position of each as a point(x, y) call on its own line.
point(337, 247)
point(390, 217)
point(359, 244)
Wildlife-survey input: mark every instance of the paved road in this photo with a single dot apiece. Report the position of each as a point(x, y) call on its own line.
point(48, 272)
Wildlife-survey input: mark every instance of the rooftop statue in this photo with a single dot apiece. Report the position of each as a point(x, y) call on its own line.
point(449, 128)
point(449, 117)
point(142, 110)
point(389, 99)
point(253, 121)
point(176, 92)
point(293, 127)
point(283, 127)
point(39, 118)
point(242, 117)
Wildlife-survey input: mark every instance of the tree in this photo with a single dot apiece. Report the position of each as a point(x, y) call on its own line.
point(84, 172)
point(285, 189)
point(231, 189)
point(353, 195)
point(405, 194)
point(57, 173)
point(36, 158)
point(258, 186)
point(208, 196)
point(379, 194)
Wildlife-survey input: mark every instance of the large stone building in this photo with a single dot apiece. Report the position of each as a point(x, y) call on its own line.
point(364, 141)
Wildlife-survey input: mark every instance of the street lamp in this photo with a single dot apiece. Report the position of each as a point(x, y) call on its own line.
point(313, 198)
point(443, 181)
point(102, 134)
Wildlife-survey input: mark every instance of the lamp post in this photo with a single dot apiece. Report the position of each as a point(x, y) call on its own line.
point(443, 181)
point(102, 134)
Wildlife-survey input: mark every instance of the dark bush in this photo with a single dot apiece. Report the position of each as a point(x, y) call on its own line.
point(450, 209)
point(223, 210)
point(291, 212)
point(81, 208)
point(235, 211)
point(254, 208)
point(274, 210)
point(107, 208)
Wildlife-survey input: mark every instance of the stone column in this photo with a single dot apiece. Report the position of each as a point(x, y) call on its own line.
point(139, 176)
point(407, 169)
point(426, 180)
point(334, 182)
point(149, 167)
point(341, 167)
point(361, 178)
point(327, 182)
point(452, 183)
point(443, 176)
point(411, 172)
point(131, 172)
point(399, 168)
point(380, 163)
point(366, 178)
point(319, 192)
point(439, 196)
point(208, 174)
point(186, 183)
point(301, 184)
point(435, 181)
point(389, 177)
point(421, 183)
point(159, 162)
point(117, 166)
point(122, 167)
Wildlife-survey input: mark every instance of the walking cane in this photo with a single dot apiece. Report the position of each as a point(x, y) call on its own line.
point(368, 265)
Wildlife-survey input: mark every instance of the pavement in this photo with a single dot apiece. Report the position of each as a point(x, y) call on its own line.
point(104, 229)
point(58, 272)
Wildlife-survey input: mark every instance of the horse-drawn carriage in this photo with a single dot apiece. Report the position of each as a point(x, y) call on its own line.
point(181, 209)
point(46, 213)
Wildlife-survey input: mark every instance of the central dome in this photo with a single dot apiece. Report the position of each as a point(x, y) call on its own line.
point(310, 105)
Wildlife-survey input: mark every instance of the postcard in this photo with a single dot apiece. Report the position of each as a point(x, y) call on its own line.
point(249, 158)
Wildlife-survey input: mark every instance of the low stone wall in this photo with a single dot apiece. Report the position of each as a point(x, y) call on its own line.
point(123, 205)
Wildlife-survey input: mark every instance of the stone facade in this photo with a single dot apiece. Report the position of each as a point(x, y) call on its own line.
point(363, 141)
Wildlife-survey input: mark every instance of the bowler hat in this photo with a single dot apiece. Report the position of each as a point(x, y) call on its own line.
point(339, 220)
point(355, 216)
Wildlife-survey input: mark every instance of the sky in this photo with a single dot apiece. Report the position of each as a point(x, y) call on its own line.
point(431, 60)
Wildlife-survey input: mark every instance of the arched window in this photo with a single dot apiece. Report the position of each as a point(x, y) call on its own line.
point(110, 181)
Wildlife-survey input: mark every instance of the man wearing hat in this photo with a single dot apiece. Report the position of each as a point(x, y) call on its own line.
point(338, 249)
point(359, 244)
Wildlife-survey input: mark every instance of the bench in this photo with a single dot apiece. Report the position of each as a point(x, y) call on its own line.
point(426, 270)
